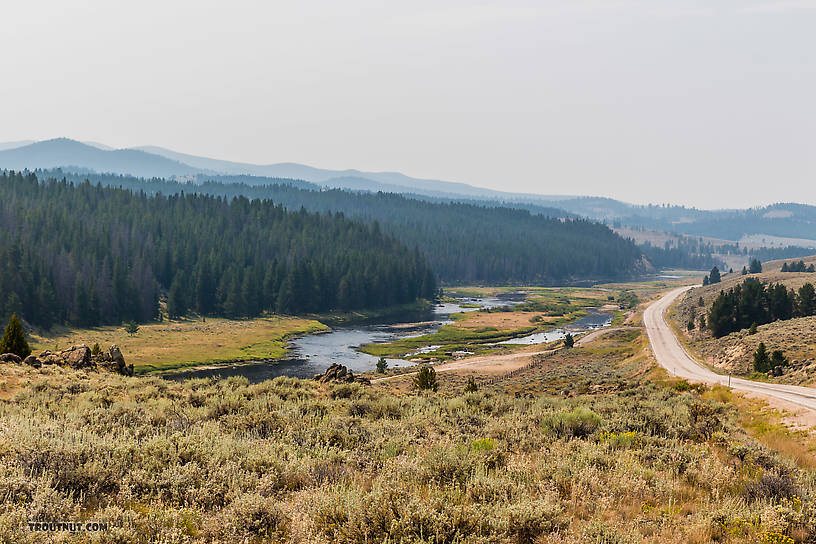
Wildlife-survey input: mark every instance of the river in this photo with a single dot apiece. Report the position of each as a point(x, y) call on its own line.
point(313, 354)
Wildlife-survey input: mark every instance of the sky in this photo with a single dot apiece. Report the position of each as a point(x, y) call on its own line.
point(704, 103)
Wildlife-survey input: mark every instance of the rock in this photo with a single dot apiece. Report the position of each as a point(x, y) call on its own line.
point(10, 358)
point(31, 360)
point(113, 360)
point(77, 356)
point(118, 359)
point(339, 373)
point(48, 358)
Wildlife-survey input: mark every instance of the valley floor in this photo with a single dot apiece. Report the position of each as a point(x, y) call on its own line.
point(189, 342)
point(590, 444)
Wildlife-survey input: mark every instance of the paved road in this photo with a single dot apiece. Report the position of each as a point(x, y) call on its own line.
point(674, 358)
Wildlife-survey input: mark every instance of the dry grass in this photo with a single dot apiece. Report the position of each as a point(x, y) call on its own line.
point(734, 352)
point(609, 457)
point(174, 344)
point(502, 320)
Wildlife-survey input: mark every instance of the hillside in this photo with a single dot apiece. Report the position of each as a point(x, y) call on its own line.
point(463, 242)
point(89, 255)
point(734, 352)
point(776, 230)
point(580, 448)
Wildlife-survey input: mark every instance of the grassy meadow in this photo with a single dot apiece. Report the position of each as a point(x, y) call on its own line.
point(189, 342)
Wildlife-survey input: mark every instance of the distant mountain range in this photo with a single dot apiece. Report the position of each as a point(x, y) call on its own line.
point(774, 225)
point(152, 161)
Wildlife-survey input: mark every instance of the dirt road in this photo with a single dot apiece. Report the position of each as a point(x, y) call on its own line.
point(674, 358)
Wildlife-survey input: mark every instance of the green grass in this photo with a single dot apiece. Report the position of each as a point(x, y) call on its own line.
point(190, 342)
point(447, 335)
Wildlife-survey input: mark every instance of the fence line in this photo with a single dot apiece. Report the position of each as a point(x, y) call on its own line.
point(537, 362)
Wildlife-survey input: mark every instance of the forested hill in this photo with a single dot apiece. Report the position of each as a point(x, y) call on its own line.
point(89, 255)
point(463, 242)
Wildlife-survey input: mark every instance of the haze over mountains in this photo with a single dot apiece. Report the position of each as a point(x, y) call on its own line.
point(771, 226)
point(153, 161)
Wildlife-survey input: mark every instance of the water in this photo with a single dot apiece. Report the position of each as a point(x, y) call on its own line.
point(313, 354)
point(595, 320)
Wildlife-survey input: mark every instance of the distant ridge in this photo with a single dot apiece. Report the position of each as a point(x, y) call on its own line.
point(62, 152)
point(153, 161)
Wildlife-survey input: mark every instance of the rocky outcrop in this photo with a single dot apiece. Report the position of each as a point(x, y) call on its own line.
point(31, 360)
point(337, 373)
point(79, 356)
point(114, 361)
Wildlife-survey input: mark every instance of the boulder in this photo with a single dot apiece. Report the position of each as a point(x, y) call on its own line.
point(48, 358)
point(77, 356)
point(118, 359)
point(31, 360)
point(113, 360)
point(10, 358)
point(339, 373)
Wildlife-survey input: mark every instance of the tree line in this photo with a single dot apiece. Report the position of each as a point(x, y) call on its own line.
point(797, 266)
point(462, 242)
point(755, 303)
point(87, 254)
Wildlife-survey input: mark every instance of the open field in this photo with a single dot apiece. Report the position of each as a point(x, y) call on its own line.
point(592, 445)
point(176, 344)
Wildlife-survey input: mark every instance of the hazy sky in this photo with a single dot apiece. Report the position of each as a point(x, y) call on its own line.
point(710, 103)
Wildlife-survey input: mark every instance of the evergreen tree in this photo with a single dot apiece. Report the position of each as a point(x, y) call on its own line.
point(761, 359)
point(806, 301)
point(177, 297)
point(714, 275)
point(471, 386)
point(14, 339)
point(131, 327)
point(755, 266)
point(569, 341)
point(382, 365)
point(425, 379)
point(744, 271)
point(777, 359)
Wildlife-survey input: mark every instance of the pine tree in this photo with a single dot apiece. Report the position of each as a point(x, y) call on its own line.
point(425, 379)
point(14, 339)
point(755, 266)
point(131, 327)
point(471, 386)
point(806, 301)
point(177, 297)
point(761, 359)
point(569, 341)
point(777, 359)
point(382, 365)
point(714, 275)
